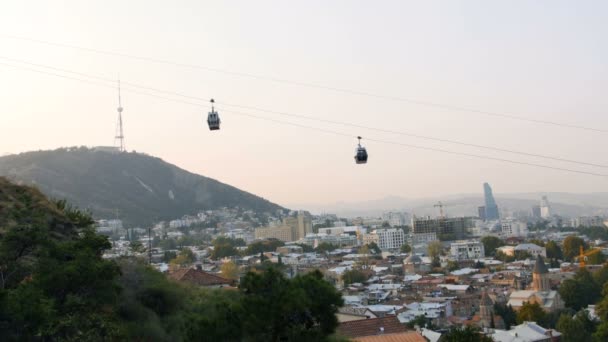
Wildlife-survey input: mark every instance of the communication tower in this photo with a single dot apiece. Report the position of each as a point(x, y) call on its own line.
point(119, 138)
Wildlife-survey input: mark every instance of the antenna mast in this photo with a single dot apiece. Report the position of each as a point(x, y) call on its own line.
point(119, 138)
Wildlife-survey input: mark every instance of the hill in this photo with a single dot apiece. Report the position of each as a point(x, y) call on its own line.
point(137, 188)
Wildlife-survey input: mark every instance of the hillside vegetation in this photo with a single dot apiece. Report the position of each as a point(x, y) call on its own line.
point(135, 187)
point(56, 286)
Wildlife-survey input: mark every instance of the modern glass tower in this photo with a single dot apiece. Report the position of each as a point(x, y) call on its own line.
point(491, 207)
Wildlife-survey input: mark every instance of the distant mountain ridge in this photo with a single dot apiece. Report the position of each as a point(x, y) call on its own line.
point(566, 204)
point(135, 187)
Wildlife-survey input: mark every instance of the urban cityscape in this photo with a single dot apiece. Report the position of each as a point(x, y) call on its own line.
point(277, 171)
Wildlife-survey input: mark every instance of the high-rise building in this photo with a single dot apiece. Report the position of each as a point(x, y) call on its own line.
point(491, 207)
point(455, 227)
point(482, 213)
point(545, 208)
point(536, 211)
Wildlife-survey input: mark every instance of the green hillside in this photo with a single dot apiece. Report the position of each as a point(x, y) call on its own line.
point(137, 188)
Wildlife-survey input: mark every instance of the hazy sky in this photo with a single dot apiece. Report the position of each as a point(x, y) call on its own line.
point(544, 60)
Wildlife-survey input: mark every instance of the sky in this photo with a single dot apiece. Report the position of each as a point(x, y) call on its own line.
point(541, 60)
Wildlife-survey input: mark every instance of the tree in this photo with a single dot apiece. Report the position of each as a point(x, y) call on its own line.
point(434, 249)
point(553, 250)
point(531, 312)
point(325, 247)
point(269, 245)
point(136, 246)
point(601, 276)
point(490, 243)
point(571, 247)
point(225, 247)
point(276, 308)
point(230, 270)
point(575, 329)
point(452, 266)
point(467, 334)
point(354, 276)
point(509, 316)
point(184, 258)
point(373, 247)
point(579, 291)
point(405, 248)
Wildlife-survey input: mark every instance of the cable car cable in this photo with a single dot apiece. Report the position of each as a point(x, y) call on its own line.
point(311, 85)
point(307, 117)
point(411, 146)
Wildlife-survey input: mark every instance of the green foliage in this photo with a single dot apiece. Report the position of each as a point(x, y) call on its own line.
point(269, 245)
point(373, 248)
point(305, 248)
point(571, 247)
point(405, 248)
point(507, 313)
point(577, 328)
point(276, 308)
point(184, 258)
point(225, 247)
point(553, 250)
point(490, 243)
point(107, 182)
point(434, 249)
point(580, 291)
point(531, 312)
point(354, 276)
point(594, 233)
point(452, 266)
point(421, 321)
point(467, 334)
point(325, 247)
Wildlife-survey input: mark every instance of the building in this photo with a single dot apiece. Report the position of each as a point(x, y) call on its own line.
point(282, 233)
point(540, 292)
point(545, 208)
point(588, 221)
point(454, 227)
point(386, 239)
point(534, 250)
point(481, 212)
point(467, 250)
point(536, 211)
point(395, 219)
point(423, 238)
point(511, 228)
point(491, 209)
point(526, 332)
point(292, 228)
point(412, 264)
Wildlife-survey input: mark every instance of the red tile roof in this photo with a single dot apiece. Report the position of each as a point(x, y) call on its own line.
point(371, 327)
point(200, 278)
point(410, 336)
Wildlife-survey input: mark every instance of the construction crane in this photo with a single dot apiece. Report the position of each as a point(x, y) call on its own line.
point(440, 206)
point(584, 256)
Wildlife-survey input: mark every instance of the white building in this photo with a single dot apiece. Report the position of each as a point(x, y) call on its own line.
point(391, 238)
point(545, 208)
point(526, 332)
point(511, 228)
point(588, 221)
point(395, 218)
point(467, 250)
point(423, 238)
point(531, 248)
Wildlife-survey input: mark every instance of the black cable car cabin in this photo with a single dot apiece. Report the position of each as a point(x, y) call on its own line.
point(360, 154)
point(213, 119)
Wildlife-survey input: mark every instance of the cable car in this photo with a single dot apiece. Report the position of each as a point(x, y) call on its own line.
point(213, 119)
point(360, 154)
